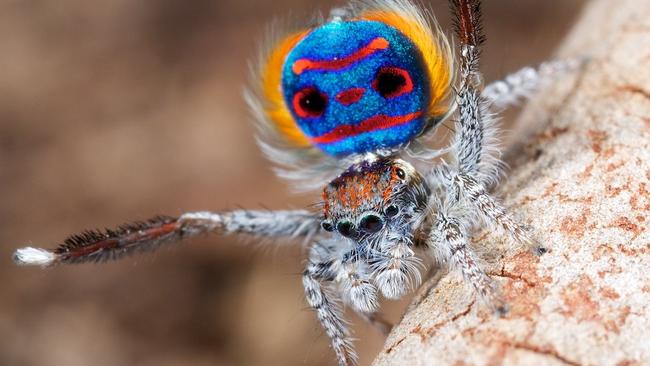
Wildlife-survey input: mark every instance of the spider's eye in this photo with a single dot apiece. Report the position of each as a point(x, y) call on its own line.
point(327, 226)
point(371, 223)
point(391, 211)
point(400, 173)
point(391, 82)
point(309, 103)
point(346, 228)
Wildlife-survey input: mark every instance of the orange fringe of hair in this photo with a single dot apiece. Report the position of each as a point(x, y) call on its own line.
point(276, 109)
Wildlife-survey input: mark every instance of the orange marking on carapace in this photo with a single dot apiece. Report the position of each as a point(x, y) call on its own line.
point(355, 199)
point(303, 64)
point(326, 207)
point(366, 191)
point(358, 190)
point(388, 191)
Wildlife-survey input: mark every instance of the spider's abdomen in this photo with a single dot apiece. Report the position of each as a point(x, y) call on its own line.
point(357, 85)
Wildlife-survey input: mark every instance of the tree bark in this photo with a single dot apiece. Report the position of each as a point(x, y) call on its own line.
point(581, 179)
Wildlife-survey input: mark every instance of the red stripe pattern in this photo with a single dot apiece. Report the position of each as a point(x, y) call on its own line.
point(374, 123)
point(303, 64)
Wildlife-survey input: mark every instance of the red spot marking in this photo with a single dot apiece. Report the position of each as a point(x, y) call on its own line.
point(350, 96)
point(304, 64)
point(379, 122)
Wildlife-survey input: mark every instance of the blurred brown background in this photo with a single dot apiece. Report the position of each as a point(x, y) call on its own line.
point(117, 110)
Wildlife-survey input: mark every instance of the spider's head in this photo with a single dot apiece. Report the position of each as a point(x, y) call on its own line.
point(374, 196)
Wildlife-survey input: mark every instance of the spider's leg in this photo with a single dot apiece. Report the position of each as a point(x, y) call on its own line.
point(523, 83)
point(448, 242)
point(395, 267)
point(490, 208)
point(474, 148)
point(97, 245)
point(354, 279)
point(320, 269)
point(466, 187)
point(474, 140)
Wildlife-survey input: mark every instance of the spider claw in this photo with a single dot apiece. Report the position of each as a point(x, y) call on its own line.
point(501, 310)
point(540, 250)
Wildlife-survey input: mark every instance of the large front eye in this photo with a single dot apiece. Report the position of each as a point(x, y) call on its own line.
point(309, 103)
point(391, 82)
point(371, 223)
point(346, 228)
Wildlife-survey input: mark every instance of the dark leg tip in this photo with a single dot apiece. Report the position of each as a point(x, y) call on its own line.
point(502, 310)
point(540, 250)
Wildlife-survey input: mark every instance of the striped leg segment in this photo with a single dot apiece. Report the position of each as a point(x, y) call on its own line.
point(476, 159)
point(110, 244)
point(523, 83)
point(464, 187)
point(396, 268)
point(475, 142)
point(322, 268)
point(449, 244)
point(489, 208)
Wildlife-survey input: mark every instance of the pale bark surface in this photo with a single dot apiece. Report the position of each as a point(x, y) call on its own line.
point(581, 177)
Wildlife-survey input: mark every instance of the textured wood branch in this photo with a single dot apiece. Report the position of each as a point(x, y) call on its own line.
point(582, 180)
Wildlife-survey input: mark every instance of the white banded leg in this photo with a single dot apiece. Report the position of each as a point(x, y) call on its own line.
point(448, 242)
point(465, 187)
point(523, 83)
point(109, 244)
point(320, 269)
point(396, 267)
